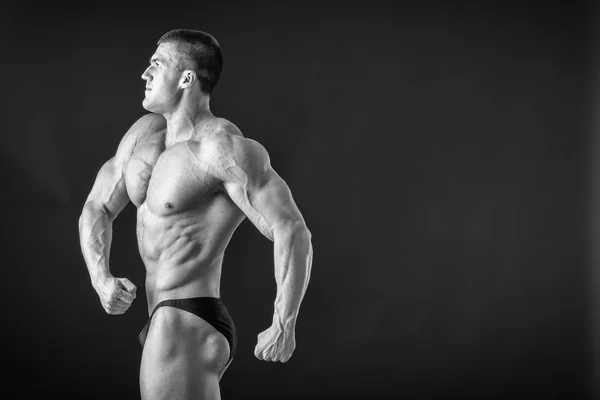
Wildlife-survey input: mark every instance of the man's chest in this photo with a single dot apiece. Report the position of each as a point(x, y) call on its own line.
point(168, 180)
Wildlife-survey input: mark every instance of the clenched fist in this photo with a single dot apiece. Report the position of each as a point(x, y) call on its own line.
point(116, 294)
point(275, 344)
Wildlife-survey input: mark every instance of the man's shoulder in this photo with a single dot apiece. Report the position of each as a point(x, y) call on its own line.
point(226, 140)
point(147, 125)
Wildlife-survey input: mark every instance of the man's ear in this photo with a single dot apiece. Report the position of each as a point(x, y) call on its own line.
point(187, 79)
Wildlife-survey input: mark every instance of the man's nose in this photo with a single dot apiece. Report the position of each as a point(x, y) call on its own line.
point(146, 75)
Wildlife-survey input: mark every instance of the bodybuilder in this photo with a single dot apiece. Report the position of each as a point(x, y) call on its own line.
point(193, 178)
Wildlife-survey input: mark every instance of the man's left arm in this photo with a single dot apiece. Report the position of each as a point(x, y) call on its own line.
point(265, 198)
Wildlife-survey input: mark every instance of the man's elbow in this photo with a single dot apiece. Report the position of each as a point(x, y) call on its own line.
point(304, 230)
point(294, 230)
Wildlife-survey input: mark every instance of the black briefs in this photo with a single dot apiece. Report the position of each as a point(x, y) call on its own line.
point(210, 309)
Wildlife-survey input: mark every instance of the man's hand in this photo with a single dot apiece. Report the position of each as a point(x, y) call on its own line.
point(116, 294)
point(275, 344)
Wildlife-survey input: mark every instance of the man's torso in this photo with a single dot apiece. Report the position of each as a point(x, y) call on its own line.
point(185, 218)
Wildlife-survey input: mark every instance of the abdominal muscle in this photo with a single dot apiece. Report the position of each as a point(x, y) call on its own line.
point(183, 252)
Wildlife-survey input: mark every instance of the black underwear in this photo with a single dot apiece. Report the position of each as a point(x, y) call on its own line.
point(210, 309)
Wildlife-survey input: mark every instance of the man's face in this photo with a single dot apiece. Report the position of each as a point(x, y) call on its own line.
point(162, 79)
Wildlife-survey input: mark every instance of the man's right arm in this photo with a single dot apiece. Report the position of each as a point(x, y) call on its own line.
point(106, 200)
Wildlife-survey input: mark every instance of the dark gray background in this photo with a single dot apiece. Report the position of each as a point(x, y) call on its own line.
point(439, 153)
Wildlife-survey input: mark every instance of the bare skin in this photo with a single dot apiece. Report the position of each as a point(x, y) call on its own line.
point(193, 178)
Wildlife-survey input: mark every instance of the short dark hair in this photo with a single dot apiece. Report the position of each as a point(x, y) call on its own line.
point(203, 50)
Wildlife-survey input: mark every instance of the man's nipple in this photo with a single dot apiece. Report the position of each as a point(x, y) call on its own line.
point(169, 206)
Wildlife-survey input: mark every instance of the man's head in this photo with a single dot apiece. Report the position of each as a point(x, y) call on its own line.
point(200, 52)
point(184, 58)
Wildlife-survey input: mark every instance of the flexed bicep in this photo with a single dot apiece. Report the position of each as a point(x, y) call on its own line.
point(109, 193)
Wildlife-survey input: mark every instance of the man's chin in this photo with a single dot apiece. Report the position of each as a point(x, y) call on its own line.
point(147, 105)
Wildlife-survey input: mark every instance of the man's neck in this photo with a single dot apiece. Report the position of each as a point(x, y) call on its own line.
point(185, 121)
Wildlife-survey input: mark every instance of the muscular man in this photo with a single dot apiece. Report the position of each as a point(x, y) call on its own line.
point(193, 178)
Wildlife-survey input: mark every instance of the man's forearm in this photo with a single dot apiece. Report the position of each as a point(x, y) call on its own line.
point(95, 236)
point(293, 261)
